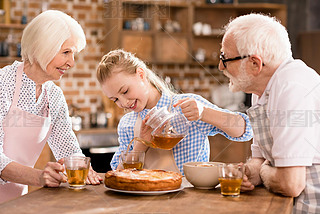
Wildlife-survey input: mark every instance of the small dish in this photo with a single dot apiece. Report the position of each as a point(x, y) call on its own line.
point(202, 175)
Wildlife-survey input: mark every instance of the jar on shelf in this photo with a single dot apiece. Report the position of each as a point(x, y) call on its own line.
point(2, 18)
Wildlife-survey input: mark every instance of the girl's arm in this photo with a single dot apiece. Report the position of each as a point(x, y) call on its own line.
point(232, 124)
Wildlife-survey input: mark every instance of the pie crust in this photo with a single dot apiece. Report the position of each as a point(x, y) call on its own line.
point(143, 180)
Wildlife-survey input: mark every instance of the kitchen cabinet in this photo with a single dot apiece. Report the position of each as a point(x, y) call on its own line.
point(99, 144)
point(165, 31)
point(150, 43)
point(5, 6)
point(11, 35)
point(225, 150)
point(146, 28)
point(218, 15)
point(45, 157)
point(308, 46)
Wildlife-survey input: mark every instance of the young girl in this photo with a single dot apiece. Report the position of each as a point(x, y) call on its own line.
point(128, 82)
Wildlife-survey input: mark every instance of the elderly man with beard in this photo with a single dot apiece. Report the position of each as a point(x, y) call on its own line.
point(256, 56)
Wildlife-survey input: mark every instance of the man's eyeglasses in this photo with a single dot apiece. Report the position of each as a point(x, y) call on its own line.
point(224, 60)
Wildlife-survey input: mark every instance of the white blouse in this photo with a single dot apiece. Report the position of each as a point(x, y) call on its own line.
point(62, 140)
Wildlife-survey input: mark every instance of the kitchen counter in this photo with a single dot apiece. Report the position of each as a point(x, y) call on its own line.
point(97, 131)
point(98, 199)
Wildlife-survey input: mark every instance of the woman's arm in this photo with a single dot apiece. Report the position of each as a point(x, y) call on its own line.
point(50, 176)
point(7, 86)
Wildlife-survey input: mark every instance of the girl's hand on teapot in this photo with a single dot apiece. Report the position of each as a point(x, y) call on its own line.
point(191, 109)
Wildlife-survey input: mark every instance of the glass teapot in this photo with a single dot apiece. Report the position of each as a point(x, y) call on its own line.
point(169, 128)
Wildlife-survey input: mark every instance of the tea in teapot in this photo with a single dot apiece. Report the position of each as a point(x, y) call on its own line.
point(166, 141)
point(169, 128)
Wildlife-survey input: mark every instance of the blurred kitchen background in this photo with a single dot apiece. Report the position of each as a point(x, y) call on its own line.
point(180, 40)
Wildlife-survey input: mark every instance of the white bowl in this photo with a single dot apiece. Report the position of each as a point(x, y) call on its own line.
point(202, 175)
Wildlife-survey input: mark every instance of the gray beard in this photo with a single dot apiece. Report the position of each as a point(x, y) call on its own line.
point(241, 82)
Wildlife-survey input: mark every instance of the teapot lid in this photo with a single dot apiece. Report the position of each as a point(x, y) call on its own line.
point(158, 116)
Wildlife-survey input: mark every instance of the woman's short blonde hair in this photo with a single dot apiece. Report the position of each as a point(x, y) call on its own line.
point(44, 35)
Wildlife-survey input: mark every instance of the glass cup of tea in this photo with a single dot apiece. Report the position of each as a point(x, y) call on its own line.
point(132, 159)
point(77, 168)
point(230, 178)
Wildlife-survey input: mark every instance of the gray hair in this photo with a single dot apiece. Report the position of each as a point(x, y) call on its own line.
point(261, 35)
point(44, 35)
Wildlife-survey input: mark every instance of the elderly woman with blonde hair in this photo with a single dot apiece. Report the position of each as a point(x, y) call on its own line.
point(33, 109)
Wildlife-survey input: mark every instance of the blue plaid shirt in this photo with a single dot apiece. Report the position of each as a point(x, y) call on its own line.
point(194, 147)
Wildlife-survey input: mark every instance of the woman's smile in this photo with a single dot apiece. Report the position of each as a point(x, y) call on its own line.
point(62, 71)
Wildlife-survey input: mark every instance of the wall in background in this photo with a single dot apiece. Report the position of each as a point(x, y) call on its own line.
point(79, 84)
point(303, 16)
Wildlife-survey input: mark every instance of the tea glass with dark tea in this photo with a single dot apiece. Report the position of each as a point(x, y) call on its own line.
point(132, 159)
point(230, 178)
point(77, 168)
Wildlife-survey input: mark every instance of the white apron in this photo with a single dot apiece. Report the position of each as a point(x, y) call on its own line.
point(25, 135)
point(157, 158)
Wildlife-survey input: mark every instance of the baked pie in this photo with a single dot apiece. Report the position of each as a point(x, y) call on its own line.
point(142, 180)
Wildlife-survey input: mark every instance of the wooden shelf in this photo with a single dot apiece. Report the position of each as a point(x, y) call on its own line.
point(206, 63)
point(160, 3)
point(4, 59)
point(8, 60)
point(160, 47)
point(254, 6)
point(16, 31)
point(96, 131)
point(178, 34)
point(211, 36)
point(12, 26)
point(137, 33)
point(151, 33)
point(189, 62)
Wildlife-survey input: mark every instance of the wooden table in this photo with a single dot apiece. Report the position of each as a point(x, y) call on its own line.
point(97, 199)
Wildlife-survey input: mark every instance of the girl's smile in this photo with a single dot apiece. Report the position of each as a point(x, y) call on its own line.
point(127, 91)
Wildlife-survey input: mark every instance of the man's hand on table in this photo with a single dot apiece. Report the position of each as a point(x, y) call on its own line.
point(251, 176)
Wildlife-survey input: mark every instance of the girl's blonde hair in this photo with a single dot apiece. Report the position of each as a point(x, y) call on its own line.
point(122, 61)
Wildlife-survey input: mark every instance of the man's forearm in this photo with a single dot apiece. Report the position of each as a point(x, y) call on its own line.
point(288, 181)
